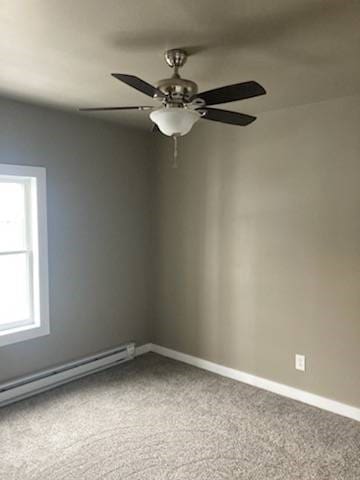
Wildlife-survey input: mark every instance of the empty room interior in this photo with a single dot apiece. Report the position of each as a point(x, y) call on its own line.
point(179, 240)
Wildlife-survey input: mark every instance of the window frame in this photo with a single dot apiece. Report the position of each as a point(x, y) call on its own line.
point(36, 250)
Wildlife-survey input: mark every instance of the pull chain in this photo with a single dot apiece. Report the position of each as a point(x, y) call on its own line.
point(175, 164)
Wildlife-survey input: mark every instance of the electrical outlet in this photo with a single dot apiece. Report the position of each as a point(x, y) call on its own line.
point(300, 362)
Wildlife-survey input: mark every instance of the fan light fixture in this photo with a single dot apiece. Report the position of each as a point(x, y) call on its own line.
point(174, 120)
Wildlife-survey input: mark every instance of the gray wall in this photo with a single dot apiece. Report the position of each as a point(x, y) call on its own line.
point(98, 180)
point(259, 246)
point(253, 246)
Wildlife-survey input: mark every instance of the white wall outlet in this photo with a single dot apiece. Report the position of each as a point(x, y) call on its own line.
point(300, 362)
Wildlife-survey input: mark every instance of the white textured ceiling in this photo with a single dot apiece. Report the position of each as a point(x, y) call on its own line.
point(61, 52)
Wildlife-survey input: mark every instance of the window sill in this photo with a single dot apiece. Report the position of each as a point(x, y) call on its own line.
point(20, 334)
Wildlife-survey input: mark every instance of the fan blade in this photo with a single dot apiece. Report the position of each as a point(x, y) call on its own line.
point(226, 116)
point(102, 109)
point(138, 84)
point(231, 93)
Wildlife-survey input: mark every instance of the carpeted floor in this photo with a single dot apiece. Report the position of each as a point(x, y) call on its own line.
point(155, 418)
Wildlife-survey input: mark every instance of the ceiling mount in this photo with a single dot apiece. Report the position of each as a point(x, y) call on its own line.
point(176, 58)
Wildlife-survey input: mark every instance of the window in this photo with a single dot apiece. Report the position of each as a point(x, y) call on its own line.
point(24, 309)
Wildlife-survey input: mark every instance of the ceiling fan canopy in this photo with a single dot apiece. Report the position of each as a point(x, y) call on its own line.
point(181, 103)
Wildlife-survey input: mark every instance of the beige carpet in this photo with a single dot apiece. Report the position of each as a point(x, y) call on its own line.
point(155, 418)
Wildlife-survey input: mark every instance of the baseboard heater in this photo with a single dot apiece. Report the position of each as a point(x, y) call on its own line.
point(21, 388)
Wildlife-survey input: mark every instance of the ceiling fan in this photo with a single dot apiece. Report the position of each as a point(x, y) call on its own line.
point(181, 104)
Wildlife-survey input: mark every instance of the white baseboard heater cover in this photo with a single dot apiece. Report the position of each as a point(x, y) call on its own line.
point(45, 380)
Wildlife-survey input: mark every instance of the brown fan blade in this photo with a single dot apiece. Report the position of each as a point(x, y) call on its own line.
point(231, 93)
point(138, 84)
point(226, 116)
point(103, 109)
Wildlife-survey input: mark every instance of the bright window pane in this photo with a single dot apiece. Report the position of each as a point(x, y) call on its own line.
point(14, 294)
point(12, 216)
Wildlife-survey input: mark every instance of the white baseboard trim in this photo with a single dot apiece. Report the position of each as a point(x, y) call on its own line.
point(28, 386)
point(279, 388)
point(142, 349)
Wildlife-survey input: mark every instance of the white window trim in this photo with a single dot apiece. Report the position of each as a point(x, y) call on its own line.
point(40, 326)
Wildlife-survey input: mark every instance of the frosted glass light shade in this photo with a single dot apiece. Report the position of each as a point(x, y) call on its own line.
point(174, 121)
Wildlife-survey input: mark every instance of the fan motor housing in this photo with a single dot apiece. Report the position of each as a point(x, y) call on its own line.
point(178, 88)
